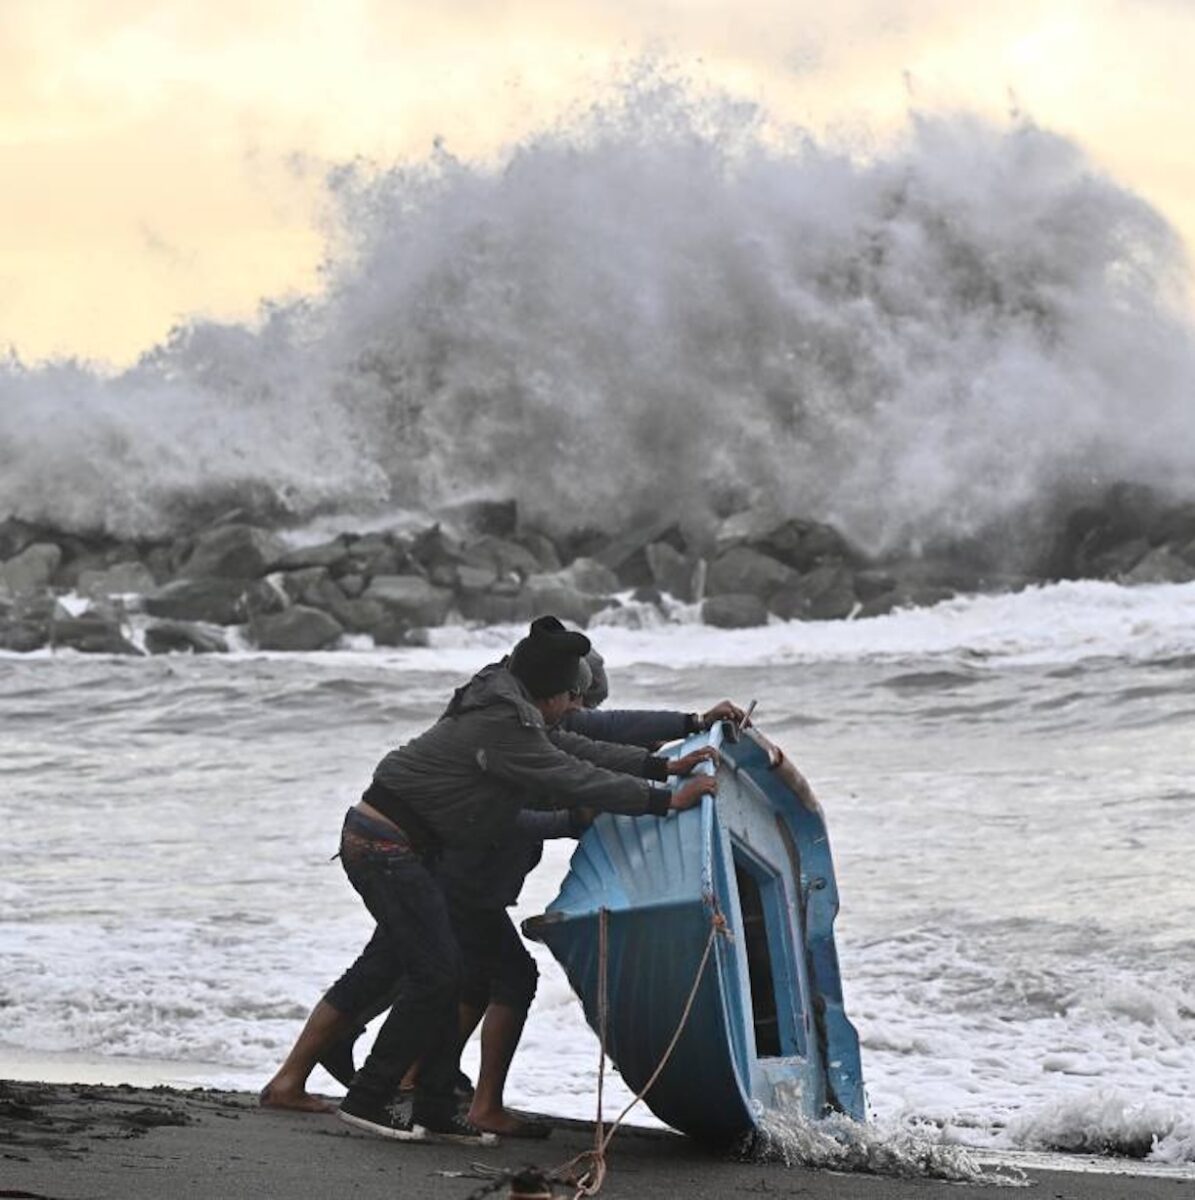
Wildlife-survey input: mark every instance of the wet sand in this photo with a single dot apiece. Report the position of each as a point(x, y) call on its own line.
point(89, 1142)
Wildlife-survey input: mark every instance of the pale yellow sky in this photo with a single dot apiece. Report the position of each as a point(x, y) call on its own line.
point(148, 147)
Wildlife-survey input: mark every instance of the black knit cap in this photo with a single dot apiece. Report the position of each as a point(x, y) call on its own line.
point(547, 659)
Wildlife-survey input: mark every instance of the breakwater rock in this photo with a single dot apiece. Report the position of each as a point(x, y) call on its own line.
point(238, 584)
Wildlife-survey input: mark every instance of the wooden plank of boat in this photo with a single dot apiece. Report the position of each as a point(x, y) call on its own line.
point(768, 1030)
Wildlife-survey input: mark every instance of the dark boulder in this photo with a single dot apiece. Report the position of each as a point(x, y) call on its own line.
point(673, 572)
point(434, 548)
point(216, 601)
point(1107, 539)
point(804, 545)
point(445, 575)
point(581, 575)
point(359, 615)
point(827, 593)
point(97, 553)
point(575, 593)
point(475, 579)
point(565, 602)
point(160, 559)
point(732, 611)
point(502, 555)
point(233, 552)
point(15, 536)
point(313, 586)
point(1161, 565)
point(92, 633)
point(328, 555)
point(118, 579)
point(410, 598)
point(262, 597)
point(326, 594)
point(582, 543)
point(546, 552)
point(23, 629)
point(743, 571)
point(298, 628)
point(626, 555)
point(1175, 526)
point(648, 595)
point(872, 583)
point(1116, 561)
point(905, 595)
point(31, 569)
point(497, 608)
point(382, 624)
point(183, 637)
point(377, 554)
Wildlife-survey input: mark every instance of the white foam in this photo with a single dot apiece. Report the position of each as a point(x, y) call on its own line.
point(1108, 1121)
point(1055, 623)
point(1091, 1060)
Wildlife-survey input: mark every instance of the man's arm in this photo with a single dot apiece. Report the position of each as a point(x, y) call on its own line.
point(525, 759)
point(646, 727)
point(629, 726)
point(630, 760)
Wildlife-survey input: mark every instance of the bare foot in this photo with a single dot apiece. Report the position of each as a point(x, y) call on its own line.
point(294, 1099)
point(508, 1124)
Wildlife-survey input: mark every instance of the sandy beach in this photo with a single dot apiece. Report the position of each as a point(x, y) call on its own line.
point(89, 1142)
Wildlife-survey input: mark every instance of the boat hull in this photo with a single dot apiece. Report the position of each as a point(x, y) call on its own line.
point(767, 1029)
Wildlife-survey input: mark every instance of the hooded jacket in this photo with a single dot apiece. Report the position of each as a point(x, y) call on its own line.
point(490, 755)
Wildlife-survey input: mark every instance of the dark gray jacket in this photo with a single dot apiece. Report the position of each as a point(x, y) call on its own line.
point(491, 875)
point(491, 755)
point(630, 726)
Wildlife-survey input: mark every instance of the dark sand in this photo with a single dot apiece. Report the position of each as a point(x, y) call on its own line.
point(76, 1141)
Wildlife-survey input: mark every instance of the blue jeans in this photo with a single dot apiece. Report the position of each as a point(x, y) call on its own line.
point(414, 942)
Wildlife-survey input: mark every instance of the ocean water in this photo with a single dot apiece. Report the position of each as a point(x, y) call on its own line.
point(1008, 784)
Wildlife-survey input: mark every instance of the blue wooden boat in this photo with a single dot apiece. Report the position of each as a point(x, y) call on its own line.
point(767, 1030)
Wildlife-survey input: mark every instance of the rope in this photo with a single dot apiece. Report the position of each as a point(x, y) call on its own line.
point(589, 1181)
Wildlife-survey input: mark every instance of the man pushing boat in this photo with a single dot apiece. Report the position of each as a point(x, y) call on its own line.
point(462, 784)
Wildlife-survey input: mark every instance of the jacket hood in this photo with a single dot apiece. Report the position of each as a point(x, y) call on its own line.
point(495, 686)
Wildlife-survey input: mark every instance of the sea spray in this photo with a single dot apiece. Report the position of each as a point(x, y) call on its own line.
point(210, 421)
point(839, 1144)
point(1108, 1121)
point(668, 302)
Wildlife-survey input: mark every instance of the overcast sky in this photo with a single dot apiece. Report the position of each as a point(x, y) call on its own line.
point(163, 158)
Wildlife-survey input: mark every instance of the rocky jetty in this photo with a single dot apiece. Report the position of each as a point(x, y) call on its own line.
point(236, 583)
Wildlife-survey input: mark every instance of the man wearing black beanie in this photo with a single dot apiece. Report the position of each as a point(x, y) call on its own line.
point(548, 659)
point(461, 784)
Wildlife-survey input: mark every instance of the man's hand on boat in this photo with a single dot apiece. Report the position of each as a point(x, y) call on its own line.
point(689, 794)
point(686, 762)
point(726, 710)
